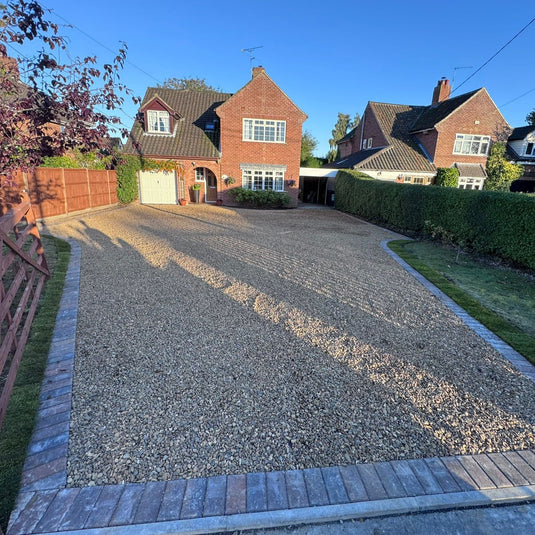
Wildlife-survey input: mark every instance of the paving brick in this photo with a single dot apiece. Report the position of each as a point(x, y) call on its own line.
point(296, 488)
point(277, 496)
point(61, 503)
point(126, 508)
point(372, 483)
point(54, 481)
point(521, 465)
point(355, 489)
point(56, 382)
point(48, 443)
point(256, 492)
point(236, 501)
point(216, 491)
point(408, 478)
point(58, 392)
point(316, 490)
point(390, 480)
point(528, 456)
point(64, 407)
point(492, 470)
point(461, 476)
point(33, 512)
point(45, 456)
point(149, 504)
point(334, 485)
point(22, 501)
point(425, 477)
point(193, 502)
point(46, 421)
point(442, 475)
point(481, 479)
point(50, 431)
point(79, 512)
point(44, 470)
point(172, 500)
point(508, 469)
point(49, 403)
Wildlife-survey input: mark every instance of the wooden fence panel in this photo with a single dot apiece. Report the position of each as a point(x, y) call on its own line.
point(76, 190)
point(98, 185)
point(47, 193)
point(23, 271)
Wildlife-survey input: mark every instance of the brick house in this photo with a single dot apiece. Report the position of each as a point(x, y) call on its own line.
point(404, 143)
point(252, 137)
point(521, 149)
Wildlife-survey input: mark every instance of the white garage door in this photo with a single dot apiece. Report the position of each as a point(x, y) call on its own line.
point(157, 187)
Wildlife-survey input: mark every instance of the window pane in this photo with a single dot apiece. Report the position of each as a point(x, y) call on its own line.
point(246, 179)
point(268, 180)
point(279, 181)
point(484, 148)
point(258, 131)
point(247, 129)
point(458, 146)
point(258, 180)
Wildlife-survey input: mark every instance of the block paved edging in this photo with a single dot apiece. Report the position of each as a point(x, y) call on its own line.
point(513, 356)
point(243, 501)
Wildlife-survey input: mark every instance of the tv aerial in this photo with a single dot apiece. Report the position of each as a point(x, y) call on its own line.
point(457, 69)
point(250, 52)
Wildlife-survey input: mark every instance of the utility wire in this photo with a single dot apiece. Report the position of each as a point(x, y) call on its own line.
point(492, 57)
point(103, 45)
point(517, 98)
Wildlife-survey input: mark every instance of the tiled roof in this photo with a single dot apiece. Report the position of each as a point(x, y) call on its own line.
point(432, 115)
point(189, 138)
point(402, 152)
point(348, 136)
point(471, 170)
point(521, 132)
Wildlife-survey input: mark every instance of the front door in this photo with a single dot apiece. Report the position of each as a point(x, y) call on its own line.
point(211, 186)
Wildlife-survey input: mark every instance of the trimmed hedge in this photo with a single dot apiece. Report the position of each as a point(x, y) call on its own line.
point(491, 222)
point(126, 170)
point(260, 198)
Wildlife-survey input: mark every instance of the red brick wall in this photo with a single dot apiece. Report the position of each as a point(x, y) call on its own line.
point(371, 129)
point(480, 108)
point(261, 98)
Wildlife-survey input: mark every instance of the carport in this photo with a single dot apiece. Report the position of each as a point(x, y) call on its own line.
point(317, 185)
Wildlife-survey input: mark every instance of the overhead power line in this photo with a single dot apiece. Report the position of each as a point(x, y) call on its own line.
point(517, 98)
point(494, 55)
point(103, 45)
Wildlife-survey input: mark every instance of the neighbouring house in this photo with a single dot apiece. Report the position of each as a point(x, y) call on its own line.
point(221, 141)
point(521, 150)
point(406, 144)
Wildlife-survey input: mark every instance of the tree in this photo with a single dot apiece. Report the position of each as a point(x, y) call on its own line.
point(53, 94)
point(501, 172)
point(447, 177)
point(308, 145)
point(354, 123)
point(530, 118)
point(338, 132)
point(193, 84)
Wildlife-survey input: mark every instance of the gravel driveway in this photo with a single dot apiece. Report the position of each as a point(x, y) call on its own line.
point(219, 341)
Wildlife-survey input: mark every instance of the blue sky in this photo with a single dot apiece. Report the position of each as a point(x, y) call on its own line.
point(328, 57)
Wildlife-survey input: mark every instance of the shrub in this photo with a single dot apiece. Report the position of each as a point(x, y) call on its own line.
point(490, 222)
point(447, 177)
point(127, 168)
point(260, 198)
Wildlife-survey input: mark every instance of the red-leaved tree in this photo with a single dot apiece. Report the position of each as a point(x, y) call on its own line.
point(46, 106)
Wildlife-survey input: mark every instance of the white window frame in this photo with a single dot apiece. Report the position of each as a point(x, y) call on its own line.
point(160, 119)
point(364, 144)
point(471, 145)
point(264, 130)
point(263, 179)
point(532, 152)
point(369, 142)
point(470, 183)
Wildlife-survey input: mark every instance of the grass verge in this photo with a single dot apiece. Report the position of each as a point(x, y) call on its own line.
point(19, 421)
point(509, 333)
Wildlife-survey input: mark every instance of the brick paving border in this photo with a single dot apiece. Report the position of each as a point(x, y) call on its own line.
point(245, 501)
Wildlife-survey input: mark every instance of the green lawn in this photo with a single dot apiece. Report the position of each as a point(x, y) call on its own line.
point(18, 424)
point(500, 297)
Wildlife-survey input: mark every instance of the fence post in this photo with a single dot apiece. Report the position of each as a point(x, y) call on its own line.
point(65, 202)
point(89, 188)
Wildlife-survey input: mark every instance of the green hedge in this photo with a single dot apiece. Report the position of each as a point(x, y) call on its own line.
point(260, 198)
point(126, 170)
point(491, 222)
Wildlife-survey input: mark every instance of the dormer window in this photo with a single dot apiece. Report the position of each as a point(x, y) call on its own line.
point(158, 122)
point(530, 149)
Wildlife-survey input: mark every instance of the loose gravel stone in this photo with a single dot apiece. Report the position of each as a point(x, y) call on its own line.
point(221, 341)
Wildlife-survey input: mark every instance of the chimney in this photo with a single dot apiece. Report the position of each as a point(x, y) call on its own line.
point(258, 70)
point(9, 64)
point(441, 92)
